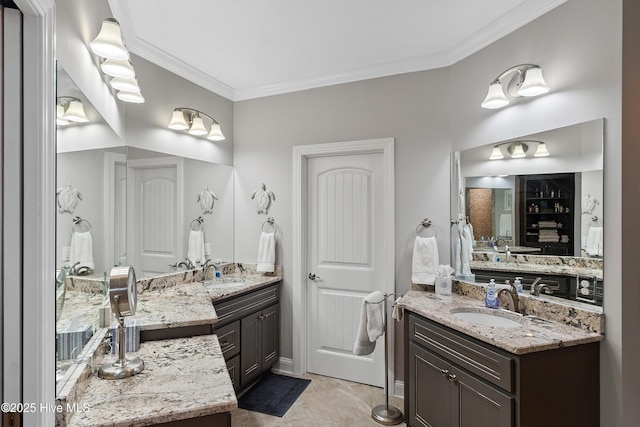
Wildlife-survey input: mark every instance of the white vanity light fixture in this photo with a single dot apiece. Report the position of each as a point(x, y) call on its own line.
point(518, 149)
point(521, 80)
point(109, 46)
point(541, 150)
point(108, 43)
point(191, 120)
point(496, 153)
point(70, 109)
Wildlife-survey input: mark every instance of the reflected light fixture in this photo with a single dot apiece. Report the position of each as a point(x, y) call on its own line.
point(192, 121)
point(518, 149)
point(521, 80)
point(541, 151)
point(108, 43)
point(69, 110)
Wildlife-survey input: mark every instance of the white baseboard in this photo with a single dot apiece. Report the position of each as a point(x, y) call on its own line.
point(283, 366)
point(398, 387)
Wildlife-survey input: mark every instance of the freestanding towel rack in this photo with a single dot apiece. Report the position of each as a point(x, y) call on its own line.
point(386, 414)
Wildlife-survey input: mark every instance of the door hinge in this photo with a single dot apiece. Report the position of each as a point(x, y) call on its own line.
point(11, 419)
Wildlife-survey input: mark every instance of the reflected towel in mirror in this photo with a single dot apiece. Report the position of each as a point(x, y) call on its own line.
point(196, 253)
point(594, 241)
point(81, 250)
point(266, 252)
point(425, 260)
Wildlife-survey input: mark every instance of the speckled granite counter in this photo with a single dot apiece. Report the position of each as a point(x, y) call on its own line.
point(236, 284)
point(536, 334)
point(183, 378)
point(186, 304)
point(547, 264)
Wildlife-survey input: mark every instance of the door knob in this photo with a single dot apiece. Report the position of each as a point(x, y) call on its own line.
point(313, 276)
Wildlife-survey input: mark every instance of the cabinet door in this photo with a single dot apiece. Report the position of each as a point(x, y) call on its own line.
point(270, 326)
point(250, 360)
point(479, 404)
point(430, 391)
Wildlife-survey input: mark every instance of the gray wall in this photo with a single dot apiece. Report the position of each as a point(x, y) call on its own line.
point(430, 113)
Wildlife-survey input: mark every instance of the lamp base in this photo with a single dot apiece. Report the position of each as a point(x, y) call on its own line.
point(388, 416)
point(121, 369)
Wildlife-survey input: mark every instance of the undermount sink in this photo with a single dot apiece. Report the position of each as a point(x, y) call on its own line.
point(224, 282)
point(488, 317)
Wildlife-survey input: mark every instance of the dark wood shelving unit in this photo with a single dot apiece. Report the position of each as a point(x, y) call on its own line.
point(546, 209)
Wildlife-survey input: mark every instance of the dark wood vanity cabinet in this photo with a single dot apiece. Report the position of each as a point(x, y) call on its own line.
point(454, 380)
point(248, 329)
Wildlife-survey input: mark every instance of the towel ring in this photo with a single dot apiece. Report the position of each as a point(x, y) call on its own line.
point(270, 221)
point(196, 224)
point(81, 225)
point(426, 223)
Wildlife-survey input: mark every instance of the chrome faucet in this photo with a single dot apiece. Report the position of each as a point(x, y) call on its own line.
point(208, 267)
point(543, 287)
point(512, 295)
point(186, 264)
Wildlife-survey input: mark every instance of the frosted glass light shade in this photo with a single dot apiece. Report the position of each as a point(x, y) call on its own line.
point(60, 120)
point(177, 121)
point(118, 68)
point(496, 154)
point(134, 97)
point(541, 151)
point(108, 43)
point(518, 152)
point(495, 97)
point(75, 112)
point(126, 84)
point(216, 133)
point(533, 83)
point(197, 127)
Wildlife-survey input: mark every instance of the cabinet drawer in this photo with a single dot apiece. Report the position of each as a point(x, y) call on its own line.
point(229, 337)
point(488, 364)
point(233, 366)
point(237, 307)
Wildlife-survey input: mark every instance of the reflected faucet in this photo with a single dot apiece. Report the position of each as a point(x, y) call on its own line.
point(543, 287)
point(241, 267)
point(186, 264)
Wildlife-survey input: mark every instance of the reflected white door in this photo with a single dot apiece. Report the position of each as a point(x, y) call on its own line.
point(345, 252)
point(156, 224)
point(120, 214)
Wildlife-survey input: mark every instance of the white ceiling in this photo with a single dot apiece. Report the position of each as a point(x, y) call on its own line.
point(243, 49)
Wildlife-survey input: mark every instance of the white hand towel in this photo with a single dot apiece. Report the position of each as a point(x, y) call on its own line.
point(81, 249)
point(425, 260)
point(594, 241)
point(505, 225)
point(398, 312)
point(195, 252)
point(455, 242)
point(371, 325)
point(266, 253)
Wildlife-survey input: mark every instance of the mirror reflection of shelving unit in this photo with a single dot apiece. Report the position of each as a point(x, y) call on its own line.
point(547, 209)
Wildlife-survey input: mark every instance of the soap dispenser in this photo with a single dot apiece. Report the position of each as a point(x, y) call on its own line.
point(518, 284)
point(491, 300)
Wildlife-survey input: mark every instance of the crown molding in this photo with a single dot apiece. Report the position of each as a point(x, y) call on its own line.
point(508, 23)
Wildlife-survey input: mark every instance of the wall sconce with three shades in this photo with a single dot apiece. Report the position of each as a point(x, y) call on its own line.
point(109, 45)
point(190, 120)
point(518, 150)
point(521, 80)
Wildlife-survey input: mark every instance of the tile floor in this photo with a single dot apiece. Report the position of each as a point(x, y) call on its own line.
point(326, 402)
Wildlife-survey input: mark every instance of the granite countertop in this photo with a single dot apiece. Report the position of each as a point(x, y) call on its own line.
point(235, 284)
point(558, 270)
point(537, 333)
point(80, 306)
point(186, 304)
point(183, 378)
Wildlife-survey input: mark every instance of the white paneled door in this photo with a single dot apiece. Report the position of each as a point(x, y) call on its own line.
point(156, 224)
point(345, 261)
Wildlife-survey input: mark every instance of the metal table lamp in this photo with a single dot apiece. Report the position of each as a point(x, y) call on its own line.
point(123, 297)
